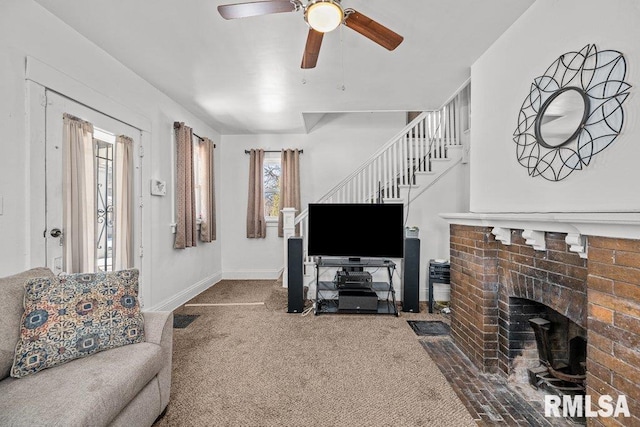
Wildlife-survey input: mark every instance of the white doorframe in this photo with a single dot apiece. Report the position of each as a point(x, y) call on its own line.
point(56, 107)
point(36, 130)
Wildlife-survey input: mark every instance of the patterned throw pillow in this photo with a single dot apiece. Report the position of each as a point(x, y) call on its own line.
point(73, 316)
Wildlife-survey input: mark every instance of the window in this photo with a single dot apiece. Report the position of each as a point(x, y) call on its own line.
point(112, 173)
point(204, 187)
point(195, 188)
point(104, 142)
point(271, 172)
point(198, 177)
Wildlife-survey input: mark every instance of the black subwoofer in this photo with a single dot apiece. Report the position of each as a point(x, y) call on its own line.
point(357, 301)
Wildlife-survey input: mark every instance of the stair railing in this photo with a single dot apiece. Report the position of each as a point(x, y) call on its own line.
point(411, 151)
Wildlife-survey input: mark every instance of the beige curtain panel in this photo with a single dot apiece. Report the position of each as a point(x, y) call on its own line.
point(256, 223)
point(79, 196)
point(289, 185)
point(123, 186)
point(186, 232)
point(208, 202)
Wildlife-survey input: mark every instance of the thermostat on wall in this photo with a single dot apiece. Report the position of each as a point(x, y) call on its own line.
point(158, 187)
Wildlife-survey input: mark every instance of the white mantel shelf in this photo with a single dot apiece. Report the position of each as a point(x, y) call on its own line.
point(623, 225)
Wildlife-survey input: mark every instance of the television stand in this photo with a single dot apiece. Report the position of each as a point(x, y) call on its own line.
point(366, 297)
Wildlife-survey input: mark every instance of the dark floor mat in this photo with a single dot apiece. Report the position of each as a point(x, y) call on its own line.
point(181, 321)
point(429, 327)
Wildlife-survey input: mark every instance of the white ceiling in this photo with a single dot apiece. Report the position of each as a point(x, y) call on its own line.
point(244, 76)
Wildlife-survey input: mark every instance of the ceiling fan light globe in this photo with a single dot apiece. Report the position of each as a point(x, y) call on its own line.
point(324, 16)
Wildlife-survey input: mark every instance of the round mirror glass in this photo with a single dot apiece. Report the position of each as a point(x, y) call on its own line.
point(561, 117)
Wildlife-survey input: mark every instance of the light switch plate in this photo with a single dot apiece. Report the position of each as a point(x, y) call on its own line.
point(158, 187)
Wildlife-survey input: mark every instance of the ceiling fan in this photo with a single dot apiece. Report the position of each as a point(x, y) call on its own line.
point(322, 16)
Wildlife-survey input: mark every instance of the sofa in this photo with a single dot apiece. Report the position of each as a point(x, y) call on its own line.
point(123, 386)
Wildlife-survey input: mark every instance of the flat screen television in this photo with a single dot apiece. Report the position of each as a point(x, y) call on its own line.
point(356, 230)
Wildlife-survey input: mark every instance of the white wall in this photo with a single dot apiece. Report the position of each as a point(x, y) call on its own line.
point(449, 194)
point(331, 152)
point(501, 81)
point(336, 146)
point(26, 29)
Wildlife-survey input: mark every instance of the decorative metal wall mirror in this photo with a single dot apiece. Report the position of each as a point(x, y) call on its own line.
point(573, 111)
point(561, 117)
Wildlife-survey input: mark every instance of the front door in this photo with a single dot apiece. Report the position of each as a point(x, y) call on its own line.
point(105, 129)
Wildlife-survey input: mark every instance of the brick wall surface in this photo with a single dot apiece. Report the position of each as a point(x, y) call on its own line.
point(474, 294)
point(554, 277)
point(486, 274)
point(613, 324)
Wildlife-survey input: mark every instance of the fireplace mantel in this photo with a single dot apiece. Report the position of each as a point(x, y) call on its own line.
point(577, 226)
point(616, 225)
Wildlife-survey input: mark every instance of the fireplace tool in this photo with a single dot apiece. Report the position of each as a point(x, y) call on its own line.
point(560, 378)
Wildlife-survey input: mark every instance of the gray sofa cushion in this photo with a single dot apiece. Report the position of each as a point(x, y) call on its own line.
point(11, 309)
point(84, 392)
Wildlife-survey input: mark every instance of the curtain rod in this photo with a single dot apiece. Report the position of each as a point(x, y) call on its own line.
point(176, 125)
point(270, 151)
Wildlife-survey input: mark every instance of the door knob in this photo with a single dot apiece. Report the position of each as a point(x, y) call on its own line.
point(56, 232)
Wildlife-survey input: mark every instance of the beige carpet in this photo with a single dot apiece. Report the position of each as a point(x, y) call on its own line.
point(258, 365)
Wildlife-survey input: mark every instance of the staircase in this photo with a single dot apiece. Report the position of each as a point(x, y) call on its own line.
point(402, 169)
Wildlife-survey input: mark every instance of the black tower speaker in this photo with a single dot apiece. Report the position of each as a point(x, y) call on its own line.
point(294, 271)
point(411, 275)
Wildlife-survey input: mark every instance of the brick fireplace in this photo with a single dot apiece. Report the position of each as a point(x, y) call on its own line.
point(502, 276)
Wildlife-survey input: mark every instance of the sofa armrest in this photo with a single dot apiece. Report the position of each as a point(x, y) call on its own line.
point(155, 323)
point(158, 329)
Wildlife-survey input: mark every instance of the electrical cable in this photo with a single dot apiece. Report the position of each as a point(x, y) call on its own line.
point(308, 309)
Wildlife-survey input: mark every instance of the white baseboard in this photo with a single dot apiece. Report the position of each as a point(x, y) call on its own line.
point(252, 274)
point(180, 298)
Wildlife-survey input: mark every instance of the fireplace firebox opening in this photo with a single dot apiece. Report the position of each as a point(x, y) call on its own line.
point(546, 349)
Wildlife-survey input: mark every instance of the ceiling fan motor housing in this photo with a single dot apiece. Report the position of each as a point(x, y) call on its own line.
point(324, 15)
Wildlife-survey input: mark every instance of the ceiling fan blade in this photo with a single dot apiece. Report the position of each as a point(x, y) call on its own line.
point(255, 8)
point(373, 30)
point(312, 49)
